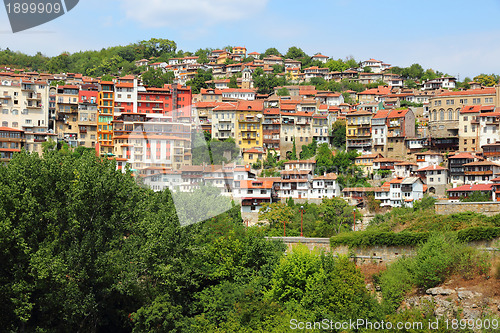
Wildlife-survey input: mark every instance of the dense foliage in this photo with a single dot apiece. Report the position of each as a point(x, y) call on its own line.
point(85, 249)
point(329, 218)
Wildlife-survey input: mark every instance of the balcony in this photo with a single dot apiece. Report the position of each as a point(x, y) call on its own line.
point(364, 143)
point(249, 119)
point(491, 153)
point(479, 173)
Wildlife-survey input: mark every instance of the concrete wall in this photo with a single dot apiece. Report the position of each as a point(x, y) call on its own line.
point(486, 208)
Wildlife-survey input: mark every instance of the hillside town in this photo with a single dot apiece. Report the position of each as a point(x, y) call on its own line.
point(410, 139)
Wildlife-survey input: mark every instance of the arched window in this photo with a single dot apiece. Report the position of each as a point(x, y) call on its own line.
point(435, 115)
point(457, 113)
point(450, 114)
point(441, 115)
point(5, 124)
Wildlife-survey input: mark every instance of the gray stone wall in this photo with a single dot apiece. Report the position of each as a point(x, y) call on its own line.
point(486, 208)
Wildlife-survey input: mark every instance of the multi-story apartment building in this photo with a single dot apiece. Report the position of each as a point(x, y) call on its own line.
point(489, 123)
point(87, 115)
point(400, 124)
point(152, 141)
point(271, 129)
point(248, 127)
point(126, 95)
point(105, 107)
point(444, 111)
point(24, 106)
point(468, 129)
point(481, 172)
point(456, 167)
point(11, 141)
point(295, 184)
point(224, 121)
point(67, 114)
point(296, 127)
point(358, 131)
point(492, 151)
point(321, 127)
point(379, 131)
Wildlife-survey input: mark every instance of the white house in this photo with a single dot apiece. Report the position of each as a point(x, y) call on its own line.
point(428, 158)
point(244, 94)
point(405, 169)
point(440, 83)
point(325, 186)
point(320, 57)
point(404, 191)
point(435, 177)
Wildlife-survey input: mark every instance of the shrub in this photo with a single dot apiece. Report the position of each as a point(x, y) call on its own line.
point(433, 262)
point(478, 233)
point(371, 238)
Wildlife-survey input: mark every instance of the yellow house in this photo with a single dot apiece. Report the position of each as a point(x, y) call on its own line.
point(249, 116)
point(240, 50)
point(105, 109)
point(221, 59)
point(358, 130)
point(253, 155)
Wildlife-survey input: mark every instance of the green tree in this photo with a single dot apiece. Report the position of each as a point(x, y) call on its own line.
point(339, 133)
point(157, 78)
point(308, 151)
point(200, 80)
point(233, 83)
point(265, 83)
point(337, 65)
point(283, 92)
point(270, 51)
point(293, 156)
point(487, 80)
point(275, 213)
point(295, 53)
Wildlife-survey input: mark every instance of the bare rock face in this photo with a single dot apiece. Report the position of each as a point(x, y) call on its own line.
point(439, 291)
point(467, 294)
point(447, 302)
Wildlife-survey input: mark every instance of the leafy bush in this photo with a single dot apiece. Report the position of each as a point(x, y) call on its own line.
point(371, 238)
point(433, 262)
point(437, 259)
point(478, 233)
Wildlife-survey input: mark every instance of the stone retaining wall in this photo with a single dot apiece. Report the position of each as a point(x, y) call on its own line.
point(374, 254)
point(488, 208)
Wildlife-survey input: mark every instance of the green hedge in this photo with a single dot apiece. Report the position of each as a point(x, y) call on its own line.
point(407, 238)
point(478, 233)
point(370, 238)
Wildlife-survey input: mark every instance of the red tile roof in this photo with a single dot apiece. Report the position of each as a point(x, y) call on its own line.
point(471, 188)
point(432, 167)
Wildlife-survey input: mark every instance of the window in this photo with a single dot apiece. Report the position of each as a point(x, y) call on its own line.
point(5, 124)
point(441, 115)
point(465, 129)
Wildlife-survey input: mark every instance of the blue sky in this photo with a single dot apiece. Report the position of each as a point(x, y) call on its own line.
point(457, 37)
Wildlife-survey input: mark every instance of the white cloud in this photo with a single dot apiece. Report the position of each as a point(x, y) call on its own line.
point(186, 13)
